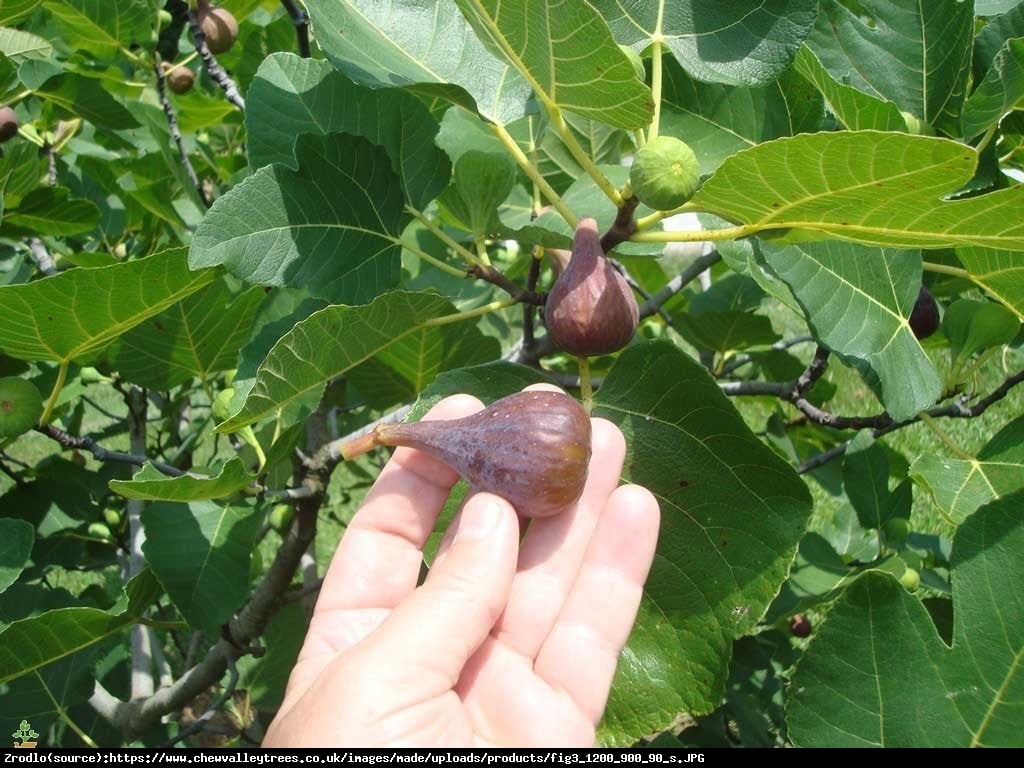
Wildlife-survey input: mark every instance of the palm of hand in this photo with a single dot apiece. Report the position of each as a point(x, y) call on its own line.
point(505, 644)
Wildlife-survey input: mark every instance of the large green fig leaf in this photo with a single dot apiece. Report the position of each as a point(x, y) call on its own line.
point(14, 10)
point(717, 121)
point(16, 537)
point(734, 43)
point(197, 337)
point(30, 644)
point(958, 486)
point(917, 55)
point(857, 110)
point(1001, 273)
point(21, 46)
point(565, 51)
point(80, 96)
point(67, 316)
point(102, 28)
point(858, 301)
point(200, 553)
point(338, 338)
point(878, 674)
point(50, 211)
point(868, 186)
point(152, 485)
point(333, 226)
point(45, 695)
point(732, 513)
point(1002, 88)
point(291, 96)
point(409, 42)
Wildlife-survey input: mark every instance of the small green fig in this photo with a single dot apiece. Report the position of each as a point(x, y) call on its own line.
point(896, 531)
point(532, 448)
point(99, 531)
point(112, 518)
point(8, 124)
point(219, 27)
point(21, 405)
point(665, 173)
point(281, 517)
point(924, 318)
point(164, 18)
point(591, 309)
point(911, 580)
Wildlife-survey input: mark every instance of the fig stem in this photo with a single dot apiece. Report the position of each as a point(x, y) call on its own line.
point(652, 131)
point(534, 175)
point(481, 252)
point(569, 139)
point(586, 389)
point(424, 256)
point(701, 235)
point(359, 446)
point(468, 314)
point(58, 385)
point(467, 255)
point(944, 269)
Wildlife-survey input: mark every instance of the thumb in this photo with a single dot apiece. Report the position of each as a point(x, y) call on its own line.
point(444, 621)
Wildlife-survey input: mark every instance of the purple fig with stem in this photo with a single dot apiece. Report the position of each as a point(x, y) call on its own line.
point(531, 448)
point(591, 309)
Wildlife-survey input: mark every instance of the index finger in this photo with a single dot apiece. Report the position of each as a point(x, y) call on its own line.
point(377, 563)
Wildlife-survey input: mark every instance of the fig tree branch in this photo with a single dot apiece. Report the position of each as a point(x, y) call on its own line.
point(513, 289)
point(680, 281)
point(86, 443)
point(197, 725)
point(955, 410)
point(529, 311)
point(135, 717)
point(41, 256)
point(176, 137)
point(301, 22)
point(623, 226)
point(213, 68)
point(167, 44)
point(142, 683)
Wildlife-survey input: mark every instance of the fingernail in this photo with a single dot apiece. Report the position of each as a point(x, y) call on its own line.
point(479, 518)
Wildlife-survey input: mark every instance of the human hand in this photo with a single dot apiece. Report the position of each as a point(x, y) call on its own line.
point(507, 643)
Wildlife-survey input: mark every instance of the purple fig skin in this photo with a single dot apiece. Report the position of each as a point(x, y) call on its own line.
point(8, 124)
point(531, 448)
point(591, 309)
point(924, 319)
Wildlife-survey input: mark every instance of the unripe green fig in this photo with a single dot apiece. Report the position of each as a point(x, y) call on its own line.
point(112, 518)
point(8, 124)
point(180, 79)
point(281, 517)
point(911, 580)
point(219, 27)
point(665, 173)
point(21, 405)
point(120, 251)
point(896, 531)
point(591, 309)
point(531, 448)
point(221, 406)
point(924, 318)
point(99, 531)
point(164, 18)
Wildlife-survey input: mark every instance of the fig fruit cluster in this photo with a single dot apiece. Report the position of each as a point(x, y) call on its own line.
point(591, 309)
point(665, 173)
point(8, 124)
point(531, 448)
point(219, 26)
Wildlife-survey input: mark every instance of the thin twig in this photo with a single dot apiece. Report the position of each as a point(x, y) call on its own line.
point(680, 281)
point(102, 410)
point(529, 311)
point(11, 474)
point(100, 453)
point(213, 68)
point(330, 454)
point(51, 164)
point(496, 277)
point(142, 684)
point(301, 21)
point(955, 410)
point(197, 725)
point(41, 256)
point(740, 360)
point(172, 124)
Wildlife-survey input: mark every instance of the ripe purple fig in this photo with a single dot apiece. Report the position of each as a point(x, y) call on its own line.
point(800, 625)
point(218, 25)
point(591, 309)
point(924, 319)
point(531, 448)
point(8, 124)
